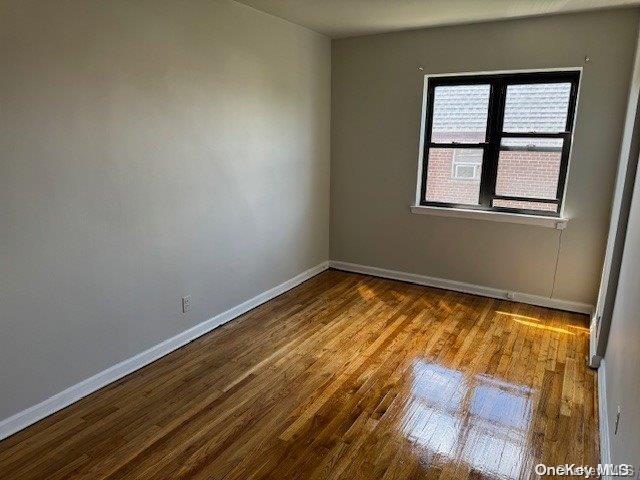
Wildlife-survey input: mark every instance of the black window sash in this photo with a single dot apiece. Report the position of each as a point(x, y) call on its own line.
point(493, 137)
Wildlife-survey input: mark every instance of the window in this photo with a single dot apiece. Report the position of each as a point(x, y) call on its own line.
point(499, 142)
point(466, 165)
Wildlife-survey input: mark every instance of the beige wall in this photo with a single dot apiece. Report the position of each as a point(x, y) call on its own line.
point(377, 99)
point(149, 149)
point(622, 360)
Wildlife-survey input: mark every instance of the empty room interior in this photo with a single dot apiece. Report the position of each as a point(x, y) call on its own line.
point(319, 239)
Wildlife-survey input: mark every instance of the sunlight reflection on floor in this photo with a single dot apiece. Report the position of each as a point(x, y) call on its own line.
point(479, 420)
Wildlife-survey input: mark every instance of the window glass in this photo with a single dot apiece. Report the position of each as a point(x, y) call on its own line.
point(538, 107)
point(522, 205)
point(529, 167)
point(453, 175)
point(460, 114)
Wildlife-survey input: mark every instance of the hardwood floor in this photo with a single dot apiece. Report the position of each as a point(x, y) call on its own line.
point(346, 376)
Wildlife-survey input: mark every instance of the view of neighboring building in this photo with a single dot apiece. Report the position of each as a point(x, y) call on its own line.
point(527, 167)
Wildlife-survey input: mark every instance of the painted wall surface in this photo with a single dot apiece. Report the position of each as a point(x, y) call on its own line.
point(377, 101)
point(149, 150)
point(622, 359)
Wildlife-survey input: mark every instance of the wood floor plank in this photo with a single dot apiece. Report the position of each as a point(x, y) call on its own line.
point(345, 376)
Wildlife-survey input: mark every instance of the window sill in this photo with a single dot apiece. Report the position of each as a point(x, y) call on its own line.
point(539, 220)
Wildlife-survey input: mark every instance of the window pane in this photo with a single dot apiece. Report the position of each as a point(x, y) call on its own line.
point(547, 207)
point(540, 107)
point(460, 114)
point(529, 167)
point(453, 175)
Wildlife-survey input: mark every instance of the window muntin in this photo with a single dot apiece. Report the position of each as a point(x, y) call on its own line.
point(521, 146)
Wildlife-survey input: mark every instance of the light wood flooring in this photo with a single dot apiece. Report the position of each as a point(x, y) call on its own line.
point(346, 376)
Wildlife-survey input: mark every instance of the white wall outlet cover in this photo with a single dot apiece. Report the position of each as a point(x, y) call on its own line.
point(186, 304)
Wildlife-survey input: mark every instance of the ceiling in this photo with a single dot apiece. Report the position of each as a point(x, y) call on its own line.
point(345, 18)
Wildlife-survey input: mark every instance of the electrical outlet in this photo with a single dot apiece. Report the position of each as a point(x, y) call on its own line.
point(186, 304)
point(617, 423)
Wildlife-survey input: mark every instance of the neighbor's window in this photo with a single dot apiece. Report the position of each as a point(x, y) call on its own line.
point(499, 142)
point(466, 164)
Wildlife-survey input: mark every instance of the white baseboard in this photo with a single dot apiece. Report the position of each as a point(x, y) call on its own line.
point(603, 419)
point(23, 419)
point(74, 393)
point(465, 287)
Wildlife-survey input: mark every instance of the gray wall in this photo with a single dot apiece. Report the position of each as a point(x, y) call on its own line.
point(149, 149)
point(622, 360)
point(377, 99)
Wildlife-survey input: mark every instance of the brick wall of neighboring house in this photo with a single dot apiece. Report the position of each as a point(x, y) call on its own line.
point(550, 207)
point(442, 186)
point(521, 174)
point(528, 174)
